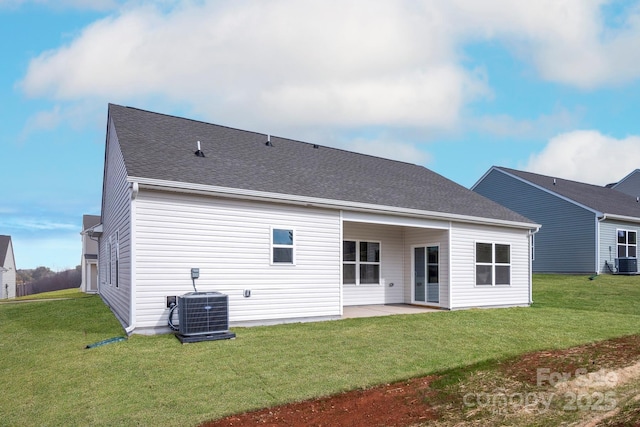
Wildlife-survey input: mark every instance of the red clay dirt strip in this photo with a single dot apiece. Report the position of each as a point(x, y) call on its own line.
point(398, 404)
point(415, 402)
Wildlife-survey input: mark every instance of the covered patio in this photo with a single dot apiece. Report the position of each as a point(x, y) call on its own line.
point(354, 311)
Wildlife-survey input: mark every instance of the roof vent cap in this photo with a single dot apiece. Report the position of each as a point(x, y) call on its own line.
point(199, 152)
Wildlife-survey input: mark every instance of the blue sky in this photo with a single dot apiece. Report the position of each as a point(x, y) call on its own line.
point(455, 85)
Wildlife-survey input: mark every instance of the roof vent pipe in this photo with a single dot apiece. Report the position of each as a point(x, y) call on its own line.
point(554, 181)
point(199, 152)
point(268, 143)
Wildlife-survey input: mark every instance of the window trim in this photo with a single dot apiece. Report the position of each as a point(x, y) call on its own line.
point(273, 245)
point(357, 263)
point(493, 264)
point(117, 266)
point(110, 261)
point(626, 245)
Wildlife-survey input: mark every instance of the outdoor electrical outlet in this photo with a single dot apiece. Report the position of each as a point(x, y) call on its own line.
point(171, 301)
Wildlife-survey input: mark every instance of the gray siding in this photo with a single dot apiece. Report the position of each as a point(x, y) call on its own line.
point(608, 241)
point(116, 217)
point(630, 185)
point(566, 243)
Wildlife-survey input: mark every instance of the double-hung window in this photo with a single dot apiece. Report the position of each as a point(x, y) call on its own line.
point(282, 246)
point(493, 264)
point(627, 243)
point(360, 263)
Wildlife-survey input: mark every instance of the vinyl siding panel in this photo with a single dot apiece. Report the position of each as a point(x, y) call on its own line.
point(609, 242)
point(464, 292)
point(391, 240)
point(229, 241)
point(415, 237)
point(566, 243)
point(116, 218)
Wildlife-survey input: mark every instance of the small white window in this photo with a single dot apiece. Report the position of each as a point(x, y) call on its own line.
point(282, 246)
point(360, 263)
point(493, 264)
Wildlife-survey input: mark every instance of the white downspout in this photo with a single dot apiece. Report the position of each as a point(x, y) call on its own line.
point(531, 253)
point(132, 258)
point(450, 268)
point(341, 296)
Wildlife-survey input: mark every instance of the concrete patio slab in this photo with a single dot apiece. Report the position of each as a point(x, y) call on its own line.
point(354, 311)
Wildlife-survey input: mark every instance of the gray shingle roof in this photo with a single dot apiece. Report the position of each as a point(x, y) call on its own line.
point(601, 199)
point(89, 221)
point(162, 147)
point(4, 247)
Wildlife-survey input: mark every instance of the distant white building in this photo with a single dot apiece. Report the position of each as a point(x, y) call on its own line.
point(89, 261)
point(7, 268)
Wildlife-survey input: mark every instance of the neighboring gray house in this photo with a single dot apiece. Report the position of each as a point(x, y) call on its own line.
point(291, 231)
point(7, 268)
point(630, 184)
point(585, 228)
point(89, 260)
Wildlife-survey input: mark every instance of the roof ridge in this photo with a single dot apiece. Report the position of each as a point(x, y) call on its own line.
point(552, 177)
point(188, 119)
point(267, 135)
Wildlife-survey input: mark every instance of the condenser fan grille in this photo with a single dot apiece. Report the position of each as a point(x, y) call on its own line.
point(202, 313)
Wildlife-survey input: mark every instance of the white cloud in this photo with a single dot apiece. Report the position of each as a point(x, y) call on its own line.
point(330, 63)
point(346, 64)
point(543, 126)
point(587, 156)
point(22, 223)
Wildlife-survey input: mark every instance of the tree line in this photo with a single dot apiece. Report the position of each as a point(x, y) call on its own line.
point(43, 279)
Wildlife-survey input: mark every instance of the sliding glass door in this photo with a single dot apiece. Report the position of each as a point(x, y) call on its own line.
point(426, 274)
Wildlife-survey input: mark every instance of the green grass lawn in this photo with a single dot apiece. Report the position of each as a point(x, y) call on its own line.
point(50, 378)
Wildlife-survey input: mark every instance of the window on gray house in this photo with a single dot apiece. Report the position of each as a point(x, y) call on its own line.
point(627, 243)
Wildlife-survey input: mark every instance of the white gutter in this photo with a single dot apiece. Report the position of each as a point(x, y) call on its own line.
point(618, 218)
point(156, 184)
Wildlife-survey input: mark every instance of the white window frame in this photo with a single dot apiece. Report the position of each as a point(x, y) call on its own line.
point(276, 245)
point(493, 264)
point(359, 263)
point(626, 245)
point(117, 263)
point(110, 261)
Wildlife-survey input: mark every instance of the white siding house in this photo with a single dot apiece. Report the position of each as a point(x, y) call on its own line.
point(7, 268)
point(290, 231)
point(89, 259)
